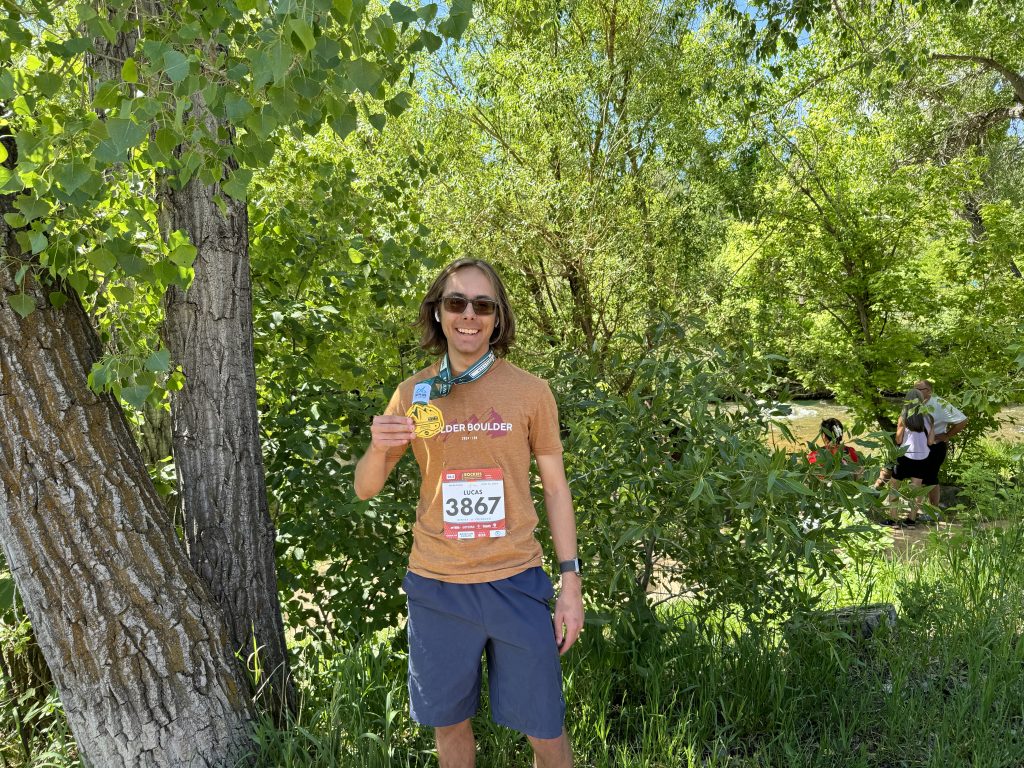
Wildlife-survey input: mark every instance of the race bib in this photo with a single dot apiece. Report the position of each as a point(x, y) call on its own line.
point(473, 502)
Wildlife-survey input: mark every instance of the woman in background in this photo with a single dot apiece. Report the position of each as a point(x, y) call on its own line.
point(913, 434)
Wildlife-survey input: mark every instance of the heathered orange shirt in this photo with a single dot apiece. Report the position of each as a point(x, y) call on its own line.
point(497, 421)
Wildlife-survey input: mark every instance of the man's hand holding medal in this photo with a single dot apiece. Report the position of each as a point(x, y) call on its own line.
point(391, 432)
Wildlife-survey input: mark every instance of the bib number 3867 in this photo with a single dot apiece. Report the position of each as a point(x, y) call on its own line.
point(473, 501)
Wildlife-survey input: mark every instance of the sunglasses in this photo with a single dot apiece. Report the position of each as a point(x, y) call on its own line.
point(458, 304)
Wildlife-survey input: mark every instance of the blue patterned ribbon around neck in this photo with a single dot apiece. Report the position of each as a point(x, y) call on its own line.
point(442, 384)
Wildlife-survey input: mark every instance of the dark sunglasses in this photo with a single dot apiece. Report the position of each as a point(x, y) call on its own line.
point(458, 304)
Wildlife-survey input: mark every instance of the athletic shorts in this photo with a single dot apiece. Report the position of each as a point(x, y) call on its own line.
point(907, 469)
point(452, 625)
point(936, 457)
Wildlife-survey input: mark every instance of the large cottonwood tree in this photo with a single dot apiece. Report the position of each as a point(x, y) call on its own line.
point(136, 128)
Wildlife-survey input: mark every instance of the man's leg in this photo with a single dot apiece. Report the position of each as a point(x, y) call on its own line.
point(456, 747)
point(552, 753)
point(937, 458)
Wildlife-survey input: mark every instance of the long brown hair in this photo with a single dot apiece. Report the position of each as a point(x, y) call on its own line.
point(432, 338)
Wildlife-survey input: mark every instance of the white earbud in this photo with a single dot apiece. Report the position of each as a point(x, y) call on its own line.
point(437, 316)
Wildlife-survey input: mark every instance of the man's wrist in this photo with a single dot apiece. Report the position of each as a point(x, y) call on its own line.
point(571, 582)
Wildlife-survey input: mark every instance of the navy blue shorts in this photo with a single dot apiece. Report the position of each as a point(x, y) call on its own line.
point(452, 625)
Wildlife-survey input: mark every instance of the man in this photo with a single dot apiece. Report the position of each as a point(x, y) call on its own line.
point(948, 422)
point(475, 585)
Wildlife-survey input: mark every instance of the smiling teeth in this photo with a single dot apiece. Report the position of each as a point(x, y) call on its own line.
point(467, 331)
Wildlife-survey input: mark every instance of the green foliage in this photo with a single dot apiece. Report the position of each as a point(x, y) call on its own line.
point(113, 107)
point(337, 273)
point(675, 488)
point(943, 689)
point(991, 477)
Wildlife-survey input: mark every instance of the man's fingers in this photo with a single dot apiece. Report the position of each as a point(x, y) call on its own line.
point(391, 431)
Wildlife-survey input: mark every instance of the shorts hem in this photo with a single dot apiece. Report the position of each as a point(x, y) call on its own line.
point(441, 722)
point(533, 731)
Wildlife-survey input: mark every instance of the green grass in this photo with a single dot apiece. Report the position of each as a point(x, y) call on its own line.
point(945, 688)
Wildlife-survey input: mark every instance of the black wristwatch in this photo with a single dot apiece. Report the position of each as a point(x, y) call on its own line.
point(570, 566)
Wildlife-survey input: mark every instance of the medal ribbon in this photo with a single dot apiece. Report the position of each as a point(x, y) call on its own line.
point(442, 384)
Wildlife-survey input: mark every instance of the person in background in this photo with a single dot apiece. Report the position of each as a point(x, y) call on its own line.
point(832, 434)
point(948, 421)
point(914, 433)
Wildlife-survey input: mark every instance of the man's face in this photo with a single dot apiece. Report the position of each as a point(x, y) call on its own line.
point(468, 333)
point(924, 388)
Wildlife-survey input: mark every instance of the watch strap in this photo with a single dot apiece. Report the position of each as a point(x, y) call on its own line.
point(570, 566)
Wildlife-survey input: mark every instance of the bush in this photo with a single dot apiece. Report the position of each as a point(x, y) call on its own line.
point(990, 474)
point(675, 487)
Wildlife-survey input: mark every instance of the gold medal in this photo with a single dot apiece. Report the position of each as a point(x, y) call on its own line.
point(427, 418)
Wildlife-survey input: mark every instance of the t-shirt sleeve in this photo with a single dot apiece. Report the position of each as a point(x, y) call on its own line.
point(852, 454)
point(545, 437)
point(396, 408)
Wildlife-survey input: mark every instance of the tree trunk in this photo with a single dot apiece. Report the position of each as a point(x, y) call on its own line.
point(138, 651)
point(217, 449)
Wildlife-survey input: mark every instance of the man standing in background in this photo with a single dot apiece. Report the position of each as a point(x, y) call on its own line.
point(949, 421)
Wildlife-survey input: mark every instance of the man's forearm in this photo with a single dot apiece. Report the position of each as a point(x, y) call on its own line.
point(955, 429)
point(371, 473)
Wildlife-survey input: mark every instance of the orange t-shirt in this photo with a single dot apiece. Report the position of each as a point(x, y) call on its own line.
point(495, 422)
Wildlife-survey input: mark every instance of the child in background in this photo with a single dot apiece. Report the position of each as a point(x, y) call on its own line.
point(832, 433)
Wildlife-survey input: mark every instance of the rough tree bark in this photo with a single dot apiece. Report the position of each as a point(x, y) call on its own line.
point(217, 449)
point(137, 648)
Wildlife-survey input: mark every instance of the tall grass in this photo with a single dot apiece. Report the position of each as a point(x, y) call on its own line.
point(944, 687)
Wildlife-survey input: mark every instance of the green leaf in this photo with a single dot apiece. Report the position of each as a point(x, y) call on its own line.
point(355, 256)
point(38, 241)
point(123, 294)
point(167, 140)
point(22, 304)
point(430, 41)
point(136, 395)
point(3, 152)
point(32, 207)
point(131, 263)
point(184, 255)
point(427, 12)
point(398, 104)
point(130, 71)
point(122, 135)
point(159, 361)
point(378, 121)
point(238, 185)
point(72, 175)
point(236, 107)
point(103, 260)
point(343, 118)
point(176, 65)
point(279, 59)
point(302, 34)
point(48, 83)
point(366, 75)
point(342, 9)
point(58, 299)
point(403, 14)
point(458, 19)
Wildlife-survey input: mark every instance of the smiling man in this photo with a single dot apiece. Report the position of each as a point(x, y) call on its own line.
point(475, 584)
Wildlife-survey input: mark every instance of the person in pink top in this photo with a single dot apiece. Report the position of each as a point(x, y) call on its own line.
point(914, 433)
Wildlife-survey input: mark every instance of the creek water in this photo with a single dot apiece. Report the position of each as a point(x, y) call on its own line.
point(807, 415)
